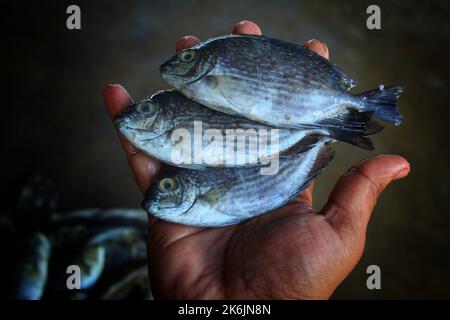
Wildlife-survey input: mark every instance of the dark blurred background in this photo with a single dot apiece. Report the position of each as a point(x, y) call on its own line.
point(54, 121)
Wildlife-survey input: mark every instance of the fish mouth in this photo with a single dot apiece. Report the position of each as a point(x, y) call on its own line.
point(157, 203)
point(163, 68)
point(135, 133)
point(123, 126)
point(166, 71)
point(121, 122)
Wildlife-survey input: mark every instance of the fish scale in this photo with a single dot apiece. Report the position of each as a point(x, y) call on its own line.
point(219, 197)
point(248, 67)
point(177, 112)
point(276, 83)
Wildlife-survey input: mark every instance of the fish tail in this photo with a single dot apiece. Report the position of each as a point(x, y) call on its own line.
point(354, 127)
point(383, 103)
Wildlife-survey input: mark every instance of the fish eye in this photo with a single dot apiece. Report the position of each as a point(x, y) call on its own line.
point(146, 108)
point(168, 184)
point(187, 56)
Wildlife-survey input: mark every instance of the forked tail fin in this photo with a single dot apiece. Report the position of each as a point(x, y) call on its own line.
point(383, 103)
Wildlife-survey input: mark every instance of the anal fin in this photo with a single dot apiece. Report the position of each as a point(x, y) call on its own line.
point(354, 127)
point(302, 145)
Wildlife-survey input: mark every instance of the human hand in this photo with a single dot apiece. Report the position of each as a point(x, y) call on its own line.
point(291, 253)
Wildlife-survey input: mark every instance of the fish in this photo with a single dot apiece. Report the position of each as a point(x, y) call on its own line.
point(278, 83)
point(124, 246)
point(101, 242)
point(156, 124)
point(91, 218)
point(121, 245)
point(224, 196)
point(37, 200)
point(133, 283)
point(86, 262)
point(100, 235)
point(32, 268)
point(126, 235)
point(91, 261)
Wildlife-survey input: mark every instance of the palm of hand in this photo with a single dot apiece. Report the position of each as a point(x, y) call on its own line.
point(291, 253)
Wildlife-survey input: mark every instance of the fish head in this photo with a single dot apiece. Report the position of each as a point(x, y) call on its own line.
point(170, 195)
point(187, 66)
point(141, 121)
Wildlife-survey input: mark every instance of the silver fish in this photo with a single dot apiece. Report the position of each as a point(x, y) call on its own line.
point(218, 197)
point(133, 282)
point(32, 269)
point(277, 83)
point(108, 236)
point(124, 246)
point(37, 200)
point(89, 259)
point(155, 125)
point(96, 217)
point(92, 263)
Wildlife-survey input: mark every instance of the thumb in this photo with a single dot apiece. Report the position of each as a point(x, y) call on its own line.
point(354, 196)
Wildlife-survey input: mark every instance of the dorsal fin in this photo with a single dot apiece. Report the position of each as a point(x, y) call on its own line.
point(344, 81)
point(340, 77)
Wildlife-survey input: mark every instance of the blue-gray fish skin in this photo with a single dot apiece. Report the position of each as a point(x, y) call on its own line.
point(32, 269)
point(276, 83)
point(92, 263)
point(223, 196)
point(151, 126)
point(124, 246)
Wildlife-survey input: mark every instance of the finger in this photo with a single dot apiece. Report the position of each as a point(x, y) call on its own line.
point(143, 167)
point(318, 47)
point(247, 27)
point(186, 42)
point(116, 99)
point(354, 196)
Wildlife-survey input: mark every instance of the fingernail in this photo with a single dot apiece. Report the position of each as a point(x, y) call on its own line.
point(119, 86)
point(322, 43)
point(106, 88)
point(186, 42)
point(325, 47)
point(242, 22)
point(402, 174)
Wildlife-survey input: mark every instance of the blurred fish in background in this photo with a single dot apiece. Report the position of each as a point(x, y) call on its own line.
point(107, 245)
